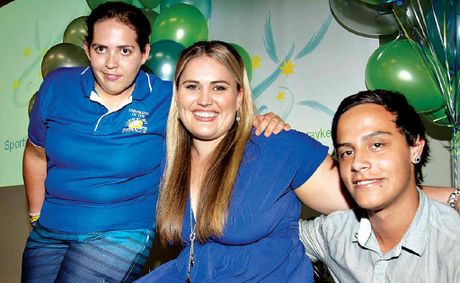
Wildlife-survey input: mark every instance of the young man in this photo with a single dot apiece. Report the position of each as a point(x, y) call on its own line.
point(398, 234)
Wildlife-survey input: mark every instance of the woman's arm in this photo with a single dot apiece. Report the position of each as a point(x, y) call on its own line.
point(440, 194)
point(324, 191)
point(34, 174)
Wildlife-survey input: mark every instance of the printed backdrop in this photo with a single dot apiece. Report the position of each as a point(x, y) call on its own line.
point(303, 61)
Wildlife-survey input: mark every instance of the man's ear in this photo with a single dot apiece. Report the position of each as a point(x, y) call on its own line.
point(417, 148)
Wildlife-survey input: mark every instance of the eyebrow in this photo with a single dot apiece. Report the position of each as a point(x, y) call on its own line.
point(377, 133)
point(119, 46)
point(212, 82)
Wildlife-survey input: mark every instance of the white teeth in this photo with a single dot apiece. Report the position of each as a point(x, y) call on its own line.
point(366, 182)
point(205, 114)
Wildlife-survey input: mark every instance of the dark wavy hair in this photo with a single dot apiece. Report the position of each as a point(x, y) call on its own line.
point(126, 14)
point(407, 120)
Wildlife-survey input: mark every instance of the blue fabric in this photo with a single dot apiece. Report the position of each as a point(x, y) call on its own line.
point(260, 241)
point(56, 256)
point(103, 167)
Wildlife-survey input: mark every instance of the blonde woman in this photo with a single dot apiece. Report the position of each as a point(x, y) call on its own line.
point(230, 197)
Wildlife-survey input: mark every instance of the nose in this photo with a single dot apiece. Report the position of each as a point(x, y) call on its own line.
point(111, 60)
point(360, 162)
point(205, 98)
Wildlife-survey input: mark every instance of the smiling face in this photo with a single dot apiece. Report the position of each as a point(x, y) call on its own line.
point(207, 98)
point(115, 58)
point(374, 157)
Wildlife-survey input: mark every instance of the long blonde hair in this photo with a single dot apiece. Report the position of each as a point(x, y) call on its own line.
point(216, 189)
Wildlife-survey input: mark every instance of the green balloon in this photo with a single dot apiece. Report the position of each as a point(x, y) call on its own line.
point(398, 66)
point(363, 19)
point(439, 117)
point(94, 3)
point(31, 103)
point(246, 59)
point(76, 32)
point(205, 6)
point(374, 2)
point(182, 23)
point(150, 3)
point(163, 58)
point(63, 55)
point(151, 16)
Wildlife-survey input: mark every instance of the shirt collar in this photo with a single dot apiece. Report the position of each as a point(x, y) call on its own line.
point(415, 238)
point(141, 90)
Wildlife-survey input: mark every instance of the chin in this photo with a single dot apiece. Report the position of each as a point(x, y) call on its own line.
point(367, 202)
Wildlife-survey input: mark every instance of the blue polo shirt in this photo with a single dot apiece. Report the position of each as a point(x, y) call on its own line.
point(103, 167)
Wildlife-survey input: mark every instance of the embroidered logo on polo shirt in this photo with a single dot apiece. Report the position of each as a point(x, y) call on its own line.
point(137, 123)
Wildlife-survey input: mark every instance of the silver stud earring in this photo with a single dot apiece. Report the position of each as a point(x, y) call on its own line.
point(237, 117)
point(417, 160)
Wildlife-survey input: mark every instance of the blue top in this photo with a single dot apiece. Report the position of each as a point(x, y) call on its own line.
point(260, 241)
point(103, 167)
point(428, 252)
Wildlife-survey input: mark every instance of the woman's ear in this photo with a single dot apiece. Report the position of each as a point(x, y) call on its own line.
point(239, 99)
point(86, 48)
point(146, 53)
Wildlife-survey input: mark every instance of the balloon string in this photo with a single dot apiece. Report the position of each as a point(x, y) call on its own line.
point(441, 34)
point(454, 158)
point(447, 82)
point(435, 69)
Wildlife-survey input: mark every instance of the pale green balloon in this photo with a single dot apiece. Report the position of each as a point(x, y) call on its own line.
point(363, 19)
point(76, 32)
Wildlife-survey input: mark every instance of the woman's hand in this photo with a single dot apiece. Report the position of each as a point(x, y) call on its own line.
point(269, 123)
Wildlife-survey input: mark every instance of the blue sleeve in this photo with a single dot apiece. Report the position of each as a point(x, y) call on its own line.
point(311, 153)
point(37, 119)
point(163, 90)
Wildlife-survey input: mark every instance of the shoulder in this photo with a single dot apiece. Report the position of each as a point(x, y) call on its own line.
point(292, 151)
point(158, 84)
point(445, 219)
point(335, 226)
point(59, 83)
point(292, 138)
point(66, 74)
point(349, 217)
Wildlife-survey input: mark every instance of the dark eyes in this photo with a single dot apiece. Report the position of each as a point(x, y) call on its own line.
point(191, 87)
point(219, 88)
point(377, 145)
point(103, 49)
point(99, 49)
point(214, 88)
point(125, 51)
point(345, 153)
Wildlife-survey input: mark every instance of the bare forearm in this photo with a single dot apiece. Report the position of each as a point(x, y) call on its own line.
point(440, 194)
point(34, 174)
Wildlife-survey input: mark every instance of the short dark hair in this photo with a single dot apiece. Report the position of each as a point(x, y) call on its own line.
point(407, 120)
point(126, 14)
